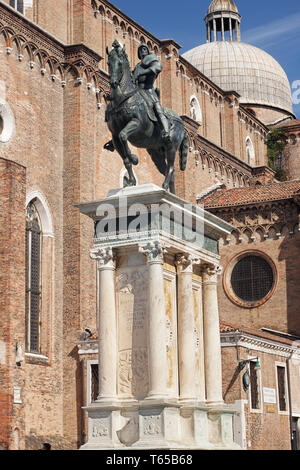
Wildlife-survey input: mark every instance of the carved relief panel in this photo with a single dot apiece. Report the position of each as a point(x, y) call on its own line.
point(132, 287)
point(171, 323)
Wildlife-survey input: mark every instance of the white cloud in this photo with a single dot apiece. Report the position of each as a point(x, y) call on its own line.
point(273, 31)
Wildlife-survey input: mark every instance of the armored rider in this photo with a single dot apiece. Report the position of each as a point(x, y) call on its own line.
point(145, 74)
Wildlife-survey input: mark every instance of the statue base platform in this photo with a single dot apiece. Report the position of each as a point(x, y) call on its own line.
point(159, 424)
point(160, 380)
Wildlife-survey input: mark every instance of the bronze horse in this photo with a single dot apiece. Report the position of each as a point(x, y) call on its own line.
point(129, 119)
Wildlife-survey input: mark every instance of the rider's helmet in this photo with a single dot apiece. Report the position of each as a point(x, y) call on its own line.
point(139, 49)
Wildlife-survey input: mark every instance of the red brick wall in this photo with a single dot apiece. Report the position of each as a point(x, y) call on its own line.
point(280, 312)
point(266, 428)
point(12, 299)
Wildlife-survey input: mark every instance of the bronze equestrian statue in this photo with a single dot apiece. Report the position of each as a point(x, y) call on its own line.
point(134, 114)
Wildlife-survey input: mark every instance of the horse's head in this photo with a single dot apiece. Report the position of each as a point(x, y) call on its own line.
point(115, 63)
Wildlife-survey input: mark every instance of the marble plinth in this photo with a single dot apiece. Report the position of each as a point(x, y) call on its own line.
point(160, 382)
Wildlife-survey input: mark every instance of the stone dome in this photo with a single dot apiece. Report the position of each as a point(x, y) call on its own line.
point(240, 67)
point(222, 5)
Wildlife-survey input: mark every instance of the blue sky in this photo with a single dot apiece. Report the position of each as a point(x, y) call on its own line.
point(272, 26)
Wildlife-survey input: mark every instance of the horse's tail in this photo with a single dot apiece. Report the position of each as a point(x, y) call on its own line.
point(183, 151)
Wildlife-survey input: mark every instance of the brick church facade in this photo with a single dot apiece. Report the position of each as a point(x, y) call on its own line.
point(53, 84)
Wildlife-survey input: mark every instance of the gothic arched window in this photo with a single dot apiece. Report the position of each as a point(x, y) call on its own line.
point(195, 109)
point(33, 278)
point(250, 152)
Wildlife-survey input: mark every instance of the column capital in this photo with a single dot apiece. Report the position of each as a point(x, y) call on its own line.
point(154, 250)
point(210, 272)
point(185, 262)
point(104, 256)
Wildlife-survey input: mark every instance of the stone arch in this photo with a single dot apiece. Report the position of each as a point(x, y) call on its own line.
point(272, 233)
point(250, 151)
point(29, 48)
point(115, 20)
point(44, 211)
point(15, 41)
point(175, 53)
point(235, 177)
point(260, 234)
point(292, 139)
point(235, 236)
point(39, 237)
point(195, 109)
point(247, 235)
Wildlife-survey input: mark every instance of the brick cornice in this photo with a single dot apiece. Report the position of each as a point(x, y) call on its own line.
point(18, 24)
point(33, 41)
point(228, 158)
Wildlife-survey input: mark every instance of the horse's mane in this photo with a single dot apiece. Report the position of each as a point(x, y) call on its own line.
point(125, 57)
point(120, 51)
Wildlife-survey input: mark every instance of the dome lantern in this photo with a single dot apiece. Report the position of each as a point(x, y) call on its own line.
point(223, 21)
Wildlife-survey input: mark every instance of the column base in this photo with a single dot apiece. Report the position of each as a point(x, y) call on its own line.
point(159, 424)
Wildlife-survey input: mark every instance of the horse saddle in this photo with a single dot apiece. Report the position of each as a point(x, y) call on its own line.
point(149, 100)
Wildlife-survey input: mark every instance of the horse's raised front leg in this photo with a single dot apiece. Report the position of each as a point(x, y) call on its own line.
point(131, 128)
point(130, 181)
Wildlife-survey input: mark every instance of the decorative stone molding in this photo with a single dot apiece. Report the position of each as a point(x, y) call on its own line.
point(60, 59)
point(185, 262)
point(104, 256)
point(260, 222)
point(248, 341)
point(43, 210)
point(88, 347)
point(212, 158)
point(154, 251)
point(212, 270)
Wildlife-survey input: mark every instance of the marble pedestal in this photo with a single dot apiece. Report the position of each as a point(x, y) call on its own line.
point(160, 379)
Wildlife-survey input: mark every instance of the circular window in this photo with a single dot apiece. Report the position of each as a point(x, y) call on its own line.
point(249, 279)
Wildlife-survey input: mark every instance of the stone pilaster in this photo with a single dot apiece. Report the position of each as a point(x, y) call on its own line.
point(212, 344)
point(107, 324)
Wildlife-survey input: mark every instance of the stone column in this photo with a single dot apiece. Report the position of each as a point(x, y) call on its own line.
point(107, 324)
point(230, 29)
point(223, 29)
point(215, 30)
point(212, 343)
point(186, 327)
point(157, 330)
point(208, 32)
point(238, 31)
